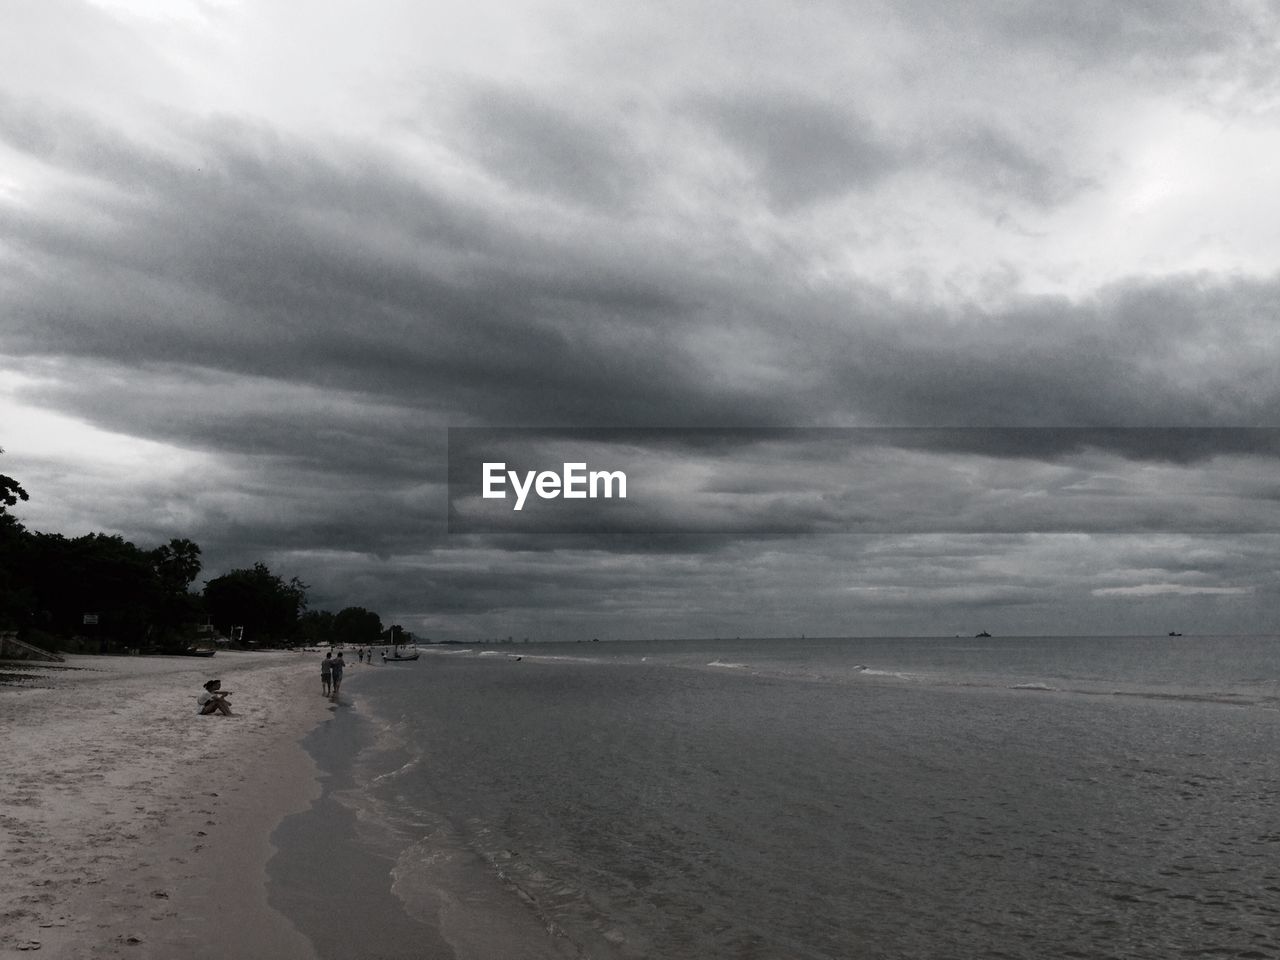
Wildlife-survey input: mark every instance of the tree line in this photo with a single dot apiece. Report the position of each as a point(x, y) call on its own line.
point(100, 593)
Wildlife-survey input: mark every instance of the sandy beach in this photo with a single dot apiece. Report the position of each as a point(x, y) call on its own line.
point(131, 826)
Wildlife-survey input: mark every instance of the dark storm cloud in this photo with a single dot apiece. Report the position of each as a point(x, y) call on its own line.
point(621, 584)
point(469, 447)
point(803, 150)
point(298, 426)
point(335, 270)
point(1165, 35)
point(549, 147)
point(627, 589)
point(316, 316)
point(1177, 445)
point(844, 586)
point(268, 261)
point(873, 481)
point(1168, 352)
point(656, 218)
point(997, 165)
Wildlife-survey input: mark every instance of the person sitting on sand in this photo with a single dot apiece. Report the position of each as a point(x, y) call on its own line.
point(326, 668)
point(214, 700)
point(336, 669)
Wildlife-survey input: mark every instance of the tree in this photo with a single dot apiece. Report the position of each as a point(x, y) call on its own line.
point(17, 600)
point(316, 626)
point(99, 574)
point(357, 625)
point(258, 600)
point(10, 491)
point(176, 564)
point(48, 583)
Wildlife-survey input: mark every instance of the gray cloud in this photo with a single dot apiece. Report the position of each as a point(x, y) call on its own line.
point(324, 319)
point(840, 586)
point(803, 150)
point(550, 148)
point(1172, 352)
point(879, 480)
point(1137, 33)
point(350, 278)
point(305, 315)
point(996, 164)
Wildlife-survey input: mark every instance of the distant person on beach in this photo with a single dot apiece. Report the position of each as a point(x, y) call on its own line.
point(326, 670)
point(214, 700)
point(336, 669)
point(360, 654)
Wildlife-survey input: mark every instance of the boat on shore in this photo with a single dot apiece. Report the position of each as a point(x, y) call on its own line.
point(401, 653)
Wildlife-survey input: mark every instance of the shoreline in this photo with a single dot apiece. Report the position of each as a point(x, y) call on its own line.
point(331, 873)
point(133, 827)
point(360, 874)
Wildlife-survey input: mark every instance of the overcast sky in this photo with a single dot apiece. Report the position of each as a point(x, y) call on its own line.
point(256, 258)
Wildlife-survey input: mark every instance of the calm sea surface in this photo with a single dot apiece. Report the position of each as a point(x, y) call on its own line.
point(835, 798)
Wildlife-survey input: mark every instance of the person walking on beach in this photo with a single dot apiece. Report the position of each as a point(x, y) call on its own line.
point(336, 669)
point(326, 670)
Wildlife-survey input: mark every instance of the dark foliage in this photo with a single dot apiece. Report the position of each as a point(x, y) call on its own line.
point(316, 626)
point(100, 588)
point(357, 625)
point(101, 592)
point(265, 605)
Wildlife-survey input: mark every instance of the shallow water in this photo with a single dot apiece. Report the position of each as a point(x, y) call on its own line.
point(839, 798)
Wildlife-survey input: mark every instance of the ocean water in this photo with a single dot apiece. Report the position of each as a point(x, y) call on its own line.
point(830, 798)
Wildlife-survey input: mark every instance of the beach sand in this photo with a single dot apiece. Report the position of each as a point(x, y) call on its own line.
point(132, 827)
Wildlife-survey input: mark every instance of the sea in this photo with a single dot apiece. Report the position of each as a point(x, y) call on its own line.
point(817, 798)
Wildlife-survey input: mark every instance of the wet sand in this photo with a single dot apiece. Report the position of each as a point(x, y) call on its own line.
point(364, 880)
point(132, 827)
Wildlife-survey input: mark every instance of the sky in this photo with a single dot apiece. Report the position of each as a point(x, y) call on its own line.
point(257, 259)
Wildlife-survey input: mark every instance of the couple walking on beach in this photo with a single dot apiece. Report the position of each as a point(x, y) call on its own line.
point(331, 674)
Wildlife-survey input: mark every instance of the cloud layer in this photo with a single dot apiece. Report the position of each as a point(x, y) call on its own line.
point(281, 252)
